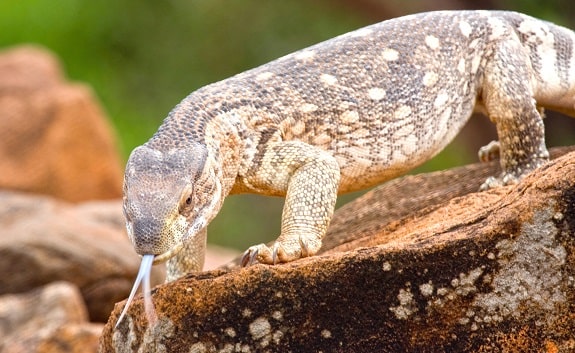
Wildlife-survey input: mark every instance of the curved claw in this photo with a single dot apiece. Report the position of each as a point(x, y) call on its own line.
point(489, 152)
point(249, 257)
point(275, 253)
point(304, 248)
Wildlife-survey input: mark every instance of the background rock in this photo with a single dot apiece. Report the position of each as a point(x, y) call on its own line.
point(486, 272)
point(54, 138)
point(48, 319)
point(45, 240)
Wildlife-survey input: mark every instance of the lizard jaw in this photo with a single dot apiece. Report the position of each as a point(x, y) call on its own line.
point(158, 259)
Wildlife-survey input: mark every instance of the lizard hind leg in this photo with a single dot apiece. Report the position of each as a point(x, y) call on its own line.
point(508, 97)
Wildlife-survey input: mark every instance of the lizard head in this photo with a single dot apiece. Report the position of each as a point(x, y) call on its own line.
point(169, 196)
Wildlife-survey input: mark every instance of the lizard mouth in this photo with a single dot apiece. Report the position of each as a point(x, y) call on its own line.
point(158, 259)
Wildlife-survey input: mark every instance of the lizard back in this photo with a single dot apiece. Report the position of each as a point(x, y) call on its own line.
point(382, 99)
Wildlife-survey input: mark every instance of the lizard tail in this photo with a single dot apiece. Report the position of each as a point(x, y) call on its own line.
point(143, 273)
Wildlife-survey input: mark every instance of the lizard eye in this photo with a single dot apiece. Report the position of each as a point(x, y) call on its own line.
point(186, 205)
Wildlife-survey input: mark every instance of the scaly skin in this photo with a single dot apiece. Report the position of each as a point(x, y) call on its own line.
point(340, 116)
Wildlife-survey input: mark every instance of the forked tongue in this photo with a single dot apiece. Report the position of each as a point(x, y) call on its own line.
point(143, 273)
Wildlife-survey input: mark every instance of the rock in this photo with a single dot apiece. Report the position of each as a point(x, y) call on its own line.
point(45, 240)
point(48, 319)
point(54, 138)
point(75, 338)
point(485, 272)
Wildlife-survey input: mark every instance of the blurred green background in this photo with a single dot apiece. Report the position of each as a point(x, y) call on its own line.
point(143, 57)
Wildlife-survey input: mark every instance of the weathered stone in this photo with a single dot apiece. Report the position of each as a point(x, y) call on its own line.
point(76, 338)
point(43, 240)
point(48, 319)
point(54, 138)
point(486, 272)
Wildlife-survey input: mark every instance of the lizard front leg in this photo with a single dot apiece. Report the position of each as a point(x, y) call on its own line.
point(309, 178)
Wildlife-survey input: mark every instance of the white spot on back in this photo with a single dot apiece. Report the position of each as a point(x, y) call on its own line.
point(432, 41)
point(498, 28)
point(465, 28)
point(531, 27)
point(544, 39)
point(305, 55)
point(430, 78)
point(402, 112)
point(264, 76)
point(362, 32)
point(376, 93)
point(328, 79)
point(308, 108)
point(349, 117)
point(198, 347)
point(440, 100)
point(389, 54)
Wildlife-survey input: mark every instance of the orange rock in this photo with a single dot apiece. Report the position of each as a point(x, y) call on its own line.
point(54, 138)
point(476, 272)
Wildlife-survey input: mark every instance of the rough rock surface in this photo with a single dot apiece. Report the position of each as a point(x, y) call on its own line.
point(485, 272)
point(54, 138)
point(48, 319)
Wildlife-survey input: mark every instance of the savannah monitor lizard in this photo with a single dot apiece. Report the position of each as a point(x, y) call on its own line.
point(343, 115)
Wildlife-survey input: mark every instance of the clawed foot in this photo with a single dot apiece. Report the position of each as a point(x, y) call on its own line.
point(489, 152)
point(494, 182)
point(515, 170)
point(509, 178)
point(278, 253)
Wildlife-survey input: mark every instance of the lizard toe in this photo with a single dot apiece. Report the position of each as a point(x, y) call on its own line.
point(489, 152)
point(260, 253)
point(305, 252)
point(249, 256)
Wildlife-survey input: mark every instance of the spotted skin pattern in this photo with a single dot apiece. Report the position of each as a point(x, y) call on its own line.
point(344, 115)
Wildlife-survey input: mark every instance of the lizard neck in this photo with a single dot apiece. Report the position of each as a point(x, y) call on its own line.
point(195, 122)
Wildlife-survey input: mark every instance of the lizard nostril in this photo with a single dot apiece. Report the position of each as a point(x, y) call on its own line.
point(147, 236)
